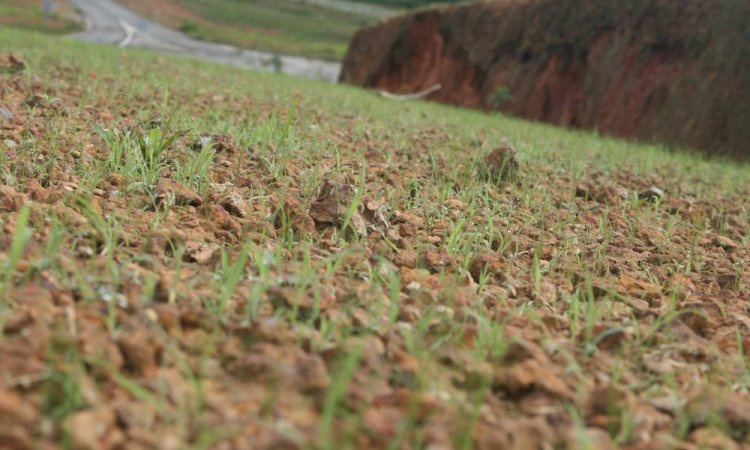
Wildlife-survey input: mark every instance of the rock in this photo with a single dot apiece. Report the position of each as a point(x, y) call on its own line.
point(712, 402)
point(220, 218)
point(6, 114)
point(725, 243)
point(217, 142)
point(406, 258)
point(135, 414)
point(139, 349)
point(487, 264)
point(11, 64)
point(17, 421)
point(728, 281)
point(639, 306)
point(333, 203)
point(601, 192)
point(36, 101)
point(230, 198)
point(255, 367)
point(651, 194)
point(168, 191)
point(589, 438)
point(43, 195)
point(88, 429)
point(500, 165)
point(10, 200)
point(712, 439)
point(608, 337)
point(10, 144)
point(312, 374)
point(437, 260)
point(528, 374)
point(201, 253)
point(409, 314)
point(156, 122)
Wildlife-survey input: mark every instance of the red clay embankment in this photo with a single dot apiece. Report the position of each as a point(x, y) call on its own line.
point(674, 72)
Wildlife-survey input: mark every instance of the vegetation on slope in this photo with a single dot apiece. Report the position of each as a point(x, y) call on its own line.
point(198, 257)
point(29, 14)
point(314, 29)
point(283, 26)
point(410, 3)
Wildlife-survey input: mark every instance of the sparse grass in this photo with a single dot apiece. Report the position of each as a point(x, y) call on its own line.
point(468, 313)
point(29, 15)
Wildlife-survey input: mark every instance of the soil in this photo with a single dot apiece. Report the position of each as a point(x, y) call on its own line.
point(133, 337)
point(674, 73)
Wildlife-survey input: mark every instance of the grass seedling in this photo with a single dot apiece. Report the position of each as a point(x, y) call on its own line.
point(21, 236)
point(334, 397)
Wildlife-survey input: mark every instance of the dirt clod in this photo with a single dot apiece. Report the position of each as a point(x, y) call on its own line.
point(169, 191)
point(139, 349)
point(11, 64)
point(501, 164)
point(6, 114)
point(651, 194)
point(333, 205)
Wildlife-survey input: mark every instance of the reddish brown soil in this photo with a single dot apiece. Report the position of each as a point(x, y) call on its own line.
point(126, 344)
point(663, 71)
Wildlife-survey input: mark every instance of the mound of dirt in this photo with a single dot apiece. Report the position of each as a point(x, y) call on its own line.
point(656, 70)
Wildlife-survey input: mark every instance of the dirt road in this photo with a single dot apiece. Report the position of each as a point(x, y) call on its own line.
point(108, 22)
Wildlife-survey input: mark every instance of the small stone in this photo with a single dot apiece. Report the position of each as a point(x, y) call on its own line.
point(651, 194)
point(167, 189)
point(139, 349)
point(331, 206)
point(88, 429)
point(156, 122)
point(36, 101)
point(725, 243)
point(728, 281)
point(406, 258)
point(312, 373)
point(10, 200)
point(712, 403)
point(489, 265)
point(712, 439)
point(42, 195)
point(409, 314)
point(640, 306)
point(593, 438)
point(501, 164)
point(6, 114)
point(10, 144)
point(11, 64)
point(230, 198)
point(437, 260)
point(254, 367)
point(202, 254)
point(217, 142)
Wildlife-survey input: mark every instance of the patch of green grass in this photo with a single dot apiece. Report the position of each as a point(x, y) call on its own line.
point(280, 26)
point(29, 15)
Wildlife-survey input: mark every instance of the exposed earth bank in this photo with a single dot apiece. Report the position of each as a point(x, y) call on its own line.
point(663, 71)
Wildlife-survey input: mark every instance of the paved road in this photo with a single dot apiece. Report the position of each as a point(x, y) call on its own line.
point(108, 22)
point(365, 9)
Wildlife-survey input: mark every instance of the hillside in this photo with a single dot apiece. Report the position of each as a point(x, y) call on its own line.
point(198, 257)
point(312, 28)
point(29, 14)
point(659, 71)
point(410, 3)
